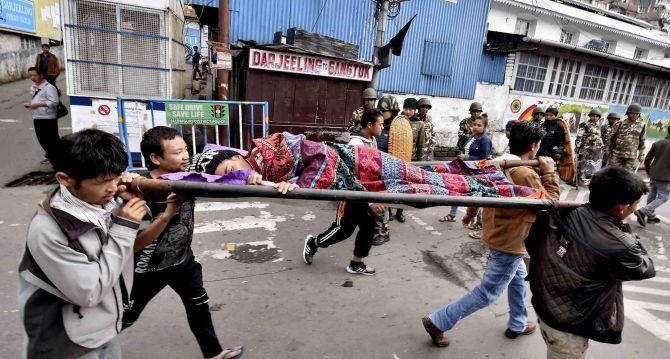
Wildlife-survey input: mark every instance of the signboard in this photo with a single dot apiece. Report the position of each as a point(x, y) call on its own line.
point(220, 58)
point(309, 65)
point(196, 113)
point(17, 15)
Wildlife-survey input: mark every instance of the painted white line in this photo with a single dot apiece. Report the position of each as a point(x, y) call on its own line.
point(309, 216)
point(264, 220)
point(225, 206)
point(8, 121)
point(662, 257)
point(581, 195)
point(637, 312)
point(564, 194)
point(217, 254)
point(658, 280)
point(395, 356)
point(645, 290)
point(660, 245)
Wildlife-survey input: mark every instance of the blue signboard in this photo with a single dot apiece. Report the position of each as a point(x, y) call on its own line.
point(17, 15)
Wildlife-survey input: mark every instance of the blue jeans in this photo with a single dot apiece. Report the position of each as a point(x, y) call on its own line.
point(503, 271)
point(658, 194)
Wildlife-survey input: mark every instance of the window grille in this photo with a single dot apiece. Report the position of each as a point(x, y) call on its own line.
point(531, 72)
point(594, 82)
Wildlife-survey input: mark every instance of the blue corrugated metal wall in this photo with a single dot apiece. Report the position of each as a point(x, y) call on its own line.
point(460, 23)
point(492, 68)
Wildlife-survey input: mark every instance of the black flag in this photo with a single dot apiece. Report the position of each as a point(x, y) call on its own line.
point(394, 46)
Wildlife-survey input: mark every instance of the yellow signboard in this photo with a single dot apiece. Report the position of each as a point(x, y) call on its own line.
point(47, 19)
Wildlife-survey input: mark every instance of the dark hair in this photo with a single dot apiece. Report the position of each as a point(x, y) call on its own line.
point(370, 116)
point(522, 136)
point(89, 154)
point(483, 119)
point(152, 142)
point(510, 124)
point(33, 68)
point(615, 185)
point(553, 110)
point(46, 45)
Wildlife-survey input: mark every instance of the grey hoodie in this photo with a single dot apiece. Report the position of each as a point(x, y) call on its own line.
point(74, 276)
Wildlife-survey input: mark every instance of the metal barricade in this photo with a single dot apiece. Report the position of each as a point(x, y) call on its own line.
point(152, 105)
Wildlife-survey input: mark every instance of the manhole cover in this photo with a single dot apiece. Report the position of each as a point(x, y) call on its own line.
point(35, 178)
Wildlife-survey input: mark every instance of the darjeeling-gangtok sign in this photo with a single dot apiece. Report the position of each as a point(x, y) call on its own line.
point(196, 113)
point(309, 65)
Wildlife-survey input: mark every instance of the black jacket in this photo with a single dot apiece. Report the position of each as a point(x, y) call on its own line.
point(578, 260)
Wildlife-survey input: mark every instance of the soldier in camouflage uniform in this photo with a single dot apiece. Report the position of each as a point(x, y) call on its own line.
point(369, 98)
point(605, 131)
point(424, 107)
point(465, 127)
point(418, 129)
point(538, 116)
point(625, 144)
point(589, 147)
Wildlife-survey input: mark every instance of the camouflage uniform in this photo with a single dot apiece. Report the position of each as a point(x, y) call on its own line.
point(626, 143)
point(354, 126)
point(589, 144)
point(464, 133)
point(418, 138)
point(430, 137)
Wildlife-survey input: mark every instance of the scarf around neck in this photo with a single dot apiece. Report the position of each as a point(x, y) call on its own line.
point(83, 211)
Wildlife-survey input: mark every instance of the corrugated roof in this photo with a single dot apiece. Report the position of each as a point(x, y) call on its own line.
point(590, 19)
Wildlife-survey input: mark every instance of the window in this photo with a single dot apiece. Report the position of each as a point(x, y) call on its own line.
point(661, 101)
point(564, 76)
point(620, 86)
point(522, 27)
point(609, 46)
point(640, 53)
point(28, 43)
point(644, 90)
point(566, 37)
point(531, 72)
point(594, 82)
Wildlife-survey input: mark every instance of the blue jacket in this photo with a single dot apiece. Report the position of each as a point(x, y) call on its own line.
point(479, 148)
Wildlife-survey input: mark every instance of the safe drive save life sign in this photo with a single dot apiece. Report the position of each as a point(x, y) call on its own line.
point(196, 113)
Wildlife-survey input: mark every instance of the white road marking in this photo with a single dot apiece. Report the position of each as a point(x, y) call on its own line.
point(309, 216)
point(645, 290)
point(225, 206)
point(264, 220)
point(217, 254)
point(658, 280)
point(581, 195)
point(637, 311)
point(8, 121)
point(395, 356)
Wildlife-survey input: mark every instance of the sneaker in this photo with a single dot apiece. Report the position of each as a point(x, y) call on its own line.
point(310, 249)
point(530, 329)
point(653, 220)
point(360, 268)
point(641, 218)
point(380, 239)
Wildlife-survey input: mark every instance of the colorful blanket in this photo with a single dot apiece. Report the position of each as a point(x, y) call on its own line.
point(326, 165)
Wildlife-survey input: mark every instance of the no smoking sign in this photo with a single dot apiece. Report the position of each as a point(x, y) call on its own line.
point(104, 110)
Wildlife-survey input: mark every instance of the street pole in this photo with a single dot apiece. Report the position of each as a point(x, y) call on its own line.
point(379, 40)
point(222, 76)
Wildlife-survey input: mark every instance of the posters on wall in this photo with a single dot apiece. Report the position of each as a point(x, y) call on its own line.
point(520, 107)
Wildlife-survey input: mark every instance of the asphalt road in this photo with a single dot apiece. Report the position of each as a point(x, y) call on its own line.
point(263, 297)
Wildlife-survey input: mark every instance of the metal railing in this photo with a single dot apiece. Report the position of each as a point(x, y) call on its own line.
point(151, 104)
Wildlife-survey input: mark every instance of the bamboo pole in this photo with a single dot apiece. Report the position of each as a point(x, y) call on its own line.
point(215, 190)
point(504, 164)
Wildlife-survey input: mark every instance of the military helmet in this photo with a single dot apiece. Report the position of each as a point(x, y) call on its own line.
point(388, 103)
point(410, 102)
point(595, 112)
point(475, 106)
point(424, 101)
point(613, 115)
point(634, 108)
point(538, 110)
point(369, 93)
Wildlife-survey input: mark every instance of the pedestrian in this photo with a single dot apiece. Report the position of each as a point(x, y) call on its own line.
point(657, 165)
point(504, 232)
point(163, 254)
point(605, 131)
point(557, 144)
point(537, 115)
point(44, 105)
point(78, 259)
point(402, 142)
point(389, 108)
point(369, 99)
point(589, 147)
point(418, 132)
point(508, 131)
point(353, 214)
point(465, 126)
point(625, 144)
point(195, 61)
point(424, 107)
point(48, 65)
point(578, 259)
point(478, 147)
